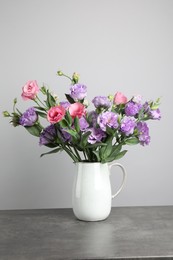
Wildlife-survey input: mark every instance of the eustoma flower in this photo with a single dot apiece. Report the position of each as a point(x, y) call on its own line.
point(109, 119)
point(128, 125)
point(30, 90)
point(55, 114)
point(29, 117)
point(143, 133)
point(78, 91)
point(101, 102)
point(120, 98)
point(77, 110)
point(96, 135)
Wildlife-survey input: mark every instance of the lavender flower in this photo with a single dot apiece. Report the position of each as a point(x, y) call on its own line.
point(48, 135)
point(143, 133)
point(132, 108)
point(127, 125)
point(65, 104)
point(155, 114)
point(96, 135)
point(101, 101)
point(109, 119)
point(78, 91)
point(83, 124)
point(29, 117)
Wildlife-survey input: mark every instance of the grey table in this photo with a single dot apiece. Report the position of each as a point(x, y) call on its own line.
point(128, 233)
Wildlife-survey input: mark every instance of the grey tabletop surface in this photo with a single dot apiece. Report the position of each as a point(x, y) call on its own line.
point(128, 233)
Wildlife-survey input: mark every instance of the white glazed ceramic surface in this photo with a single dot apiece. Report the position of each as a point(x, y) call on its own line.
point(92, 195)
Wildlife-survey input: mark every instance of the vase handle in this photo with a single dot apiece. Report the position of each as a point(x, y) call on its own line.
point(124, 176)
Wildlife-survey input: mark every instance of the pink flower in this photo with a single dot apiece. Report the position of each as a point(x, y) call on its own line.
point(55, 114)
point(119, 98)
point(30, 90)
point(77, 110)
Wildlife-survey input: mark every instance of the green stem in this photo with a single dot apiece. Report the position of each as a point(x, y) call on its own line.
point(74, 158)
point(40, 102)
point(78, 155)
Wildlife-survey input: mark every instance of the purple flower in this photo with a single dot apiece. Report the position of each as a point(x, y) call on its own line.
point(96, 135)
point(48, 135)
point(127, 125)
point(132, 108)
point(83, 124)
point(78, 91)
point(143, 133)
point(93, 118)
point(29, 117)
point(65, 104)
point(109, 119)
point(101, 101)
point(155, 114)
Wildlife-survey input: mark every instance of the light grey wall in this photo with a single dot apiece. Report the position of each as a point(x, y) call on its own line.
point(120, 45)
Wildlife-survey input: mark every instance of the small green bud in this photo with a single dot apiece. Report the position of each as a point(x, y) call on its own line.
point(43, 90)
point(15, 101)
point(6, 114)
point(75, 77)
point(111, 97)
point(59, 72)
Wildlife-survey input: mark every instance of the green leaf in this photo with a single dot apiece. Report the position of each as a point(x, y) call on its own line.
point(40, 108)
point(110, 131)
point(42, 114)
point(33, 130)
point(72, 133)
point(63, 123)
point(105, 151)
point(84, 139)
point(132, 141)
point(68, 118)
point(70, 99)
point(120, 155)
point(96, 145)
point(97, 155)
point(76, 124)
point(53, 151)
point(51, 102)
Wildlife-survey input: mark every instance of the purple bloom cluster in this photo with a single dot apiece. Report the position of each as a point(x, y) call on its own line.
point(109, 119)
point(155, 114)
point(101, 101)
point(96, 135)
point(48, 135)
point(29, 117)
point(132, 108)
point(83, 124)
point(143, 133)
point(78, 91)
point(128, 125)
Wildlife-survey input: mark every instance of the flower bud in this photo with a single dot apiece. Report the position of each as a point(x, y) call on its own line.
point(6, 114)
point(111, 97)
point(59, 72)
point(75, 77)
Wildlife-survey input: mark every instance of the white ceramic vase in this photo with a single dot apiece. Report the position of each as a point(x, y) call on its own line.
point(92, 196)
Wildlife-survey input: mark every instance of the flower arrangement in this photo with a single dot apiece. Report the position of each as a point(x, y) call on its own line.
point(96, 135)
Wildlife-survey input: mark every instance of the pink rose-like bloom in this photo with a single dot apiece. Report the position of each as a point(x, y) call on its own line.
point(77, 110)
point(55, 114)
point(30, 90)
point(119, 98)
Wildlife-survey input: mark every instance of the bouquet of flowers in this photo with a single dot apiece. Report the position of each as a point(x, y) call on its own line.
point(86, 135)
